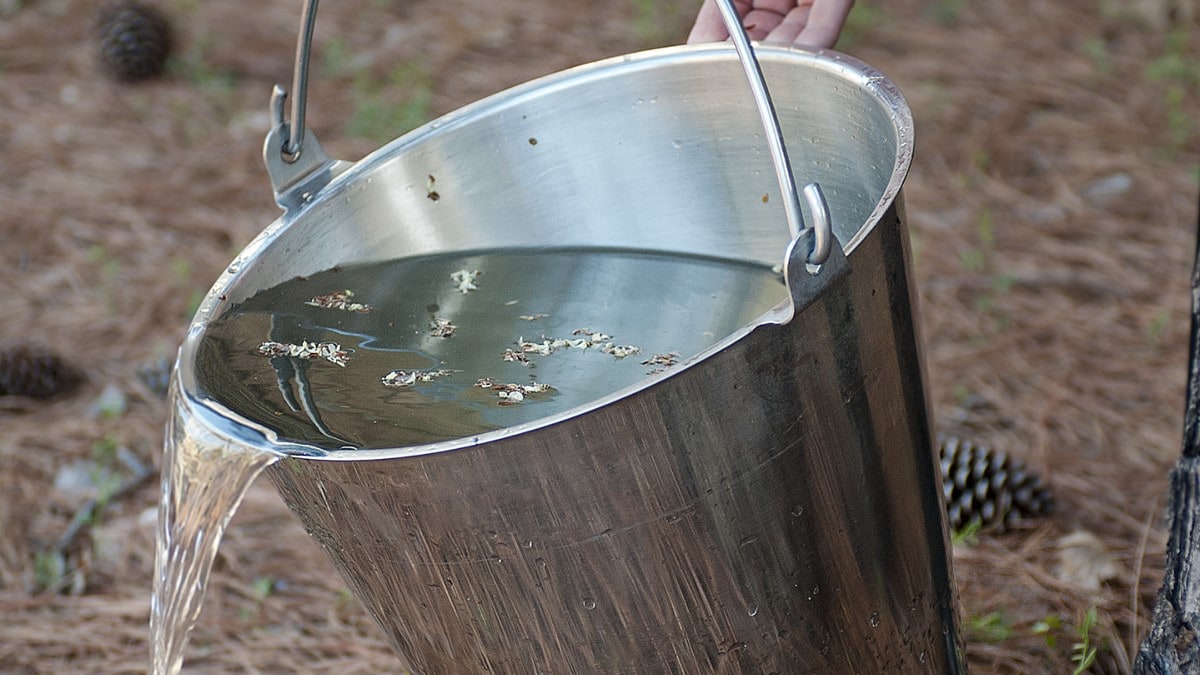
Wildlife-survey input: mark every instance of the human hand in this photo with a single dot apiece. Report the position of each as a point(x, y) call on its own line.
point(808, 23)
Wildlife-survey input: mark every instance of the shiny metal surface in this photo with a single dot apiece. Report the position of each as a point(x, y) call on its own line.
point(771, 507)
point(294, 145)
point(822, 224)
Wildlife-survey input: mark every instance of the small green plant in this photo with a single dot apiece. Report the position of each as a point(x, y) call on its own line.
point(998, 285)
point(104, 451)
point(1175, 63)
point(49, 568)
point(661, 23)
point(1180, 122)
point(1083, 652)
point(263, 587)
point(1096, 48)
point(1048, 628)
point(336, 58)
point(101, 257)
point(195, 67)
point(387, 108)
point(181, 269)
point(1158, 327)
point(991, 627)
point(195, 297)
point(1179, 72)
point(977, 259)
point(973, 260)
point(946, 12)
point(863, 18)
point(967, 535)
point(108, 483)
point(111, 404)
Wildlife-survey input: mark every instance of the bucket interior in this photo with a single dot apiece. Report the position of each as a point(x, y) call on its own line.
point(654, 162)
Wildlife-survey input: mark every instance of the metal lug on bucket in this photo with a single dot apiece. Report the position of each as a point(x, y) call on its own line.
point(815, 258)
point(296, 178)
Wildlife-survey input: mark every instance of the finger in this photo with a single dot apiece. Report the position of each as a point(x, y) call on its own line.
point(710, 26)
point(815, 25)
point(759, 23)
point(790, 27)
point(825, 23)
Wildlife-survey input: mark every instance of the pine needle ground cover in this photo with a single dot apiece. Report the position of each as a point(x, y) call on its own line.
point(1052, 202)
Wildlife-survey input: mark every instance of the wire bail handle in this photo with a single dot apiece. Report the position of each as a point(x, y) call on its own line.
point(293, 136)
point(822, 228)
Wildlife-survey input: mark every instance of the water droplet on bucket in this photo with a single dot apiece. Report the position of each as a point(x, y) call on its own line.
point(589, 603)
point(753, 611)
point(874, 619)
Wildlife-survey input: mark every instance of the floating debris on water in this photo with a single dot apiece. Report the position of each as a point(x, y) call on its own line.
point(465, 280)
point(512, 393)
point(594, 337)
point(407, 378)
point(618, 351)
point(532, 317)
point(544, 348)
point(666, 360)
point(330, 351)
point(511, 355)
point(441, 328)
point(589, 339)
point(339, 300)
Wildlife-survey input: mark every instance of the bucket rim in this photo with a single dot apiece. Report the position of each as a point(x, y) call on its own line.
point(225, 422)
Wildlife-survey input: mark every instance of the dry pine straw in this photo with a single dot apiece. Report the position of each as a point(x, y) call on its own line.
point(1055, 316)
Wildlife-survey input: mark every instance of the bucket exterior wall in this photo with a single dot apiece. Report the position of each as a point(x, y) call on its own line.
point(771, 509)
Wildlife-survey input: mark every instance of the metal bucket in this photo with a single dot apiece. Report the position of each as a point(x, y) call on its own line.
point(770, 505)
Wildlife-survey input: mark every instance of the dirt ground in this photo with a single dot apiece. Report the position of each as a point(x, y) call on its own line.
point(1053, 206)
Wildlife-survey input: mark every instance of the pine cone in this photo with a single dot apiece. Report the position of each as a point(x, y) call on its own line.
point(25, 371)
point(135, 41)
point(988, 487)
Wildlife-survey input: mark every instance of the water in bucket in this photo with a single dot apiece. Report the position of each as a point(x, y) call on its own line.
point(441, 347)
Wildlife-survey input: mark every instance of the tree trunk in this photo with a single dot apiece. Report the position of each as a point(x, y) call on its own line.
point(1173, 645)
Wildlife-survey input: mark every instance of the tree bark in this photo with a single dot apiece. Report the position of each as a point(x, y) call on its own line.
point(1173, 644)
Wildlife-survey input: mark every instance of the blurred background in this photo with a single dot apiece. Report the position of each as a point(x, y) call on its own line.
point(1053, 207)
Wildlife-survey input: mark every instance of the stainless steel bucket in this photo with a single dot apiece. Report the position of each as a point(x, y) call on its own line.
point(771, 505)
